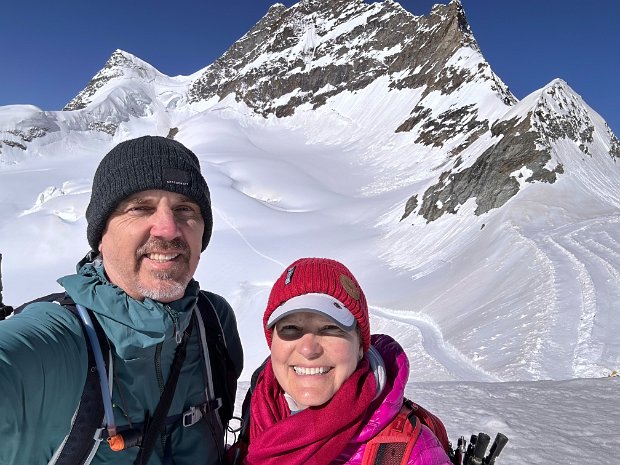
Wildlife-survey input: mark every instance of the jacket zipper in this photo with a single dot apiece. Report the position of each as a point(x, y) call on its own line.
point(174, 316)
point(160, 381)
point(178, 335)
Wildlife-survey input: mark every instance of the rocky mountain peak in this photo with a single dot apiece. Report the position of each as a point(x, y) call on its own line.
point(119, 64)
point(314, 50)
point(560, 113)
point(522, 152)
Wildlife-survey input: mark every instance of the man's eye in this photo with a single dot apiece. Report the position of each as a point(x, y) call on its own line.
point(138, 209)
point(187, 211)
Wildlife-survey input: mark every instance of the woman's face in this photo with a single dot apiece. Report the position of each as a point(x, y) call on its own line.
point(312, 357)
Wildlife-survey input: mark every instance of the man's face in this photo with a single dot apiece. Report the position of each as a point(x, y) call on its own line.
point(151, 244)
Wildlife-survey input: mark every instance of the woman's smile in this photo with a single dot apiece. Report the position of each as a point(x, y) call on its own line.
point(312, 357)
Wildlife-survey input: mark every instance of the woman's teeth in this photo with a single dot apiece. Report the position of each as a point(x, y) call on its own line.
point(310, 371)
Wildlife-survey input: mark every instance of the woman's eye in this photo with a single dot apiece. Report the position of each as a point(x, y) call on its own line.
point(289, 328)
point(289, 332)
point(331, 329)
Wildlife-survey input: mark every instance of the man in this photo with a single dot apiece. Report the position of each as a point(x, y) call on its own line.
point(149, 218)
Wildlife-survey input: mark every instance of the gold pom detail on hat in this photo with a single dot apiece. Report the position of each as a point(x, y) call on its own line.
point(350, 287)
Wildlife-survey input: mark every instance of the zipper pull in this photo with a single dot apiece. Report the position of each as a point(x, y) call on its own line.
point(174, 316)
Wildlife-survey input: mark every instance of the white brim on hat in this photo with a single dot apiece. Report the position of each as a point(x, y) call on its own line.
point(315, 303)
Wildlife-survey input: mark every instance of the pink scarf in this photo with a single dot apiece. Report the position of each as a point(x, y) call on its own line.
point(314, 436)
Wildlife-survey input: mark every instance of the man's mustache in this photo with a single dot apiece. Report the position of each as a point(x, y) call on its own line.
point(159, 245)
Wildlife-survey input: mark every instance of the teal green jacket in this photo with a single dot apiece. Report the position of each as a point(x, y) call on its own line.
point(43, 364)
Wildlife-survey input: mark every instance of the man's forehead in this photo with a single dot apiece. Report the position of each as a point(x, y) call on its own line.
point(155, 195)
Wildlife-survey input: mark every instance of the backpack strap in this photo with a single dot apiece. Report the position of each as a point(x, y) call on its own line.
point(393, 445)
point(80, 444)
point(237, 452)
point(433, 423)
point(61, 298)
point(219, 366)
point(154, 426)
point(5, 310)
point(213, 403)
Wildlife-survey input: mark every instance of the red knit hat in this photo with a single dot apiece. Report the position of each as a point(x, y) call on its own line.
point(318, 285)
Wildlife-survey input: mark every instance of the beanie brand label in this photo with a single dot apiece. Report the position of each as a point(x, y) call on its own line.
point(289, 275)
point(176, 176)
point(349, 286)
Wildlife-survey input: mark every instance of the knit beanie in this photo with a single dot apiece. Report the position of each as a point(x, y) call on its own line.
point(319, 285)
point(145, 163)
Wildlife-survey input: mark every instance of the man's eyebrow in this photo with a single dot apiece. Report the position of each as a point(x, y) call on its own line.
point(135, 199)
point(184, 198)
point(140, 199)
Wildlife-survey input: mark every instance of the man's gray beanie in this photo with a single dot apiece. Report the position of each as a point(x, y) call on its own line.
point(145, 163)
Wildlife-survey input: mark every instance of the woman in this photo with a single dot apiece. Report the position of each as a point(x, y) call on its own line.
point(329, 387)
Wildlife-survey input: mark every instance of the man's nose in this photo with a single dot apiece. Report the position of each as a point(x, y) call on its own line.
point(164, 224)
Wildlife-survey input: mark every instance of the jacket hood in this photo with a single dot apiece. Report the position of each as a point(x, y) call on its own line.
point(131, 325)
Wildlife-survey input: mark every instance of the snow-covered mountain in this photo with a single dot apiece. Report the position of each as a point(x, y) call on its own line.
point(485, 230)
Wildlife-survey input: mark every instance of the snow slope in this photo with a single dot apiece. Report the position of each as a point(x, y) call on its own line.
point(486, 316)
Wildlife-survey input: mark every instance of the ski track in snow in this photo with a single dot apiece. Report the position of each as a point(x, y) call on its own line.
point(585, 298)
point(244, 239)
point(534, 351)
point(572, 320)
point(435, 345)
point(596, 265)
point(570, 305)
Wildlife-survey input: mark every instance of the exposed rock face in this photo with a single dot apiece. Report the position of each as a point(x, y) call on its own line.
point(31, 123)
point(317, 49)
point(492, 179)
point(521, 155)
point(614, 151)
point(24, 136)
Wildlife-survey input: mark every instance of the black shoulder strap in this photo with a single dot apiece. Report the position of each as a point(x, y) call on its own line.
point(155, 424)
point(209, 315)
point(88, 417)
point(5, 310)
point(222, 366)
point(54, 297)
point(240, 448)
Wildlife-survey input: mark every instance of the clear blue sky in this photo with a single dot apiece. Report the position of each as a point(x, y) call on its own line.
point(50, 50)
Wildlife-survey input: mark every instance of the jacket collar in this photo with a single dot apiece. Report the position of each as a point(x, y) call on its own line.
point(130, 324)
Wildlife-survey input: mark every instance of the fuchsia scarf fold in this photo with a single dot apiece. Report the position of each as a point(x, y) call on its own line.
point(314, 436)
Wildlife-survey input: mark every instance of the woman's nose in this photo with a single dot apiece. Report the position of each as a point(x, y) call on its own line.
point(310, 346)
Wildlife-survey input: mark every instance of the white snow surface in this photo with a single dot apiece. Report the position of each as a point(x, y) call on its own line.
point(510, 319)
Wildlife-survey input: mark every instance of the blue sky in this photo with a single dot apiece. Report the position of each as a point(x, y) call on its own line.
point(50, 50)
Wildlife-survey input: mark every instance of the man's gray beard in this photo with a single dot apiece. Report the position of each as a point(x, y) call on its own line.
point(169, 288)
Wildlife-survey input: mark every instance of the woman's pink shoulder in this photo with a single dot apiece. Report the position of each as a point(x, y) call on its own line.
point(428, 451)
